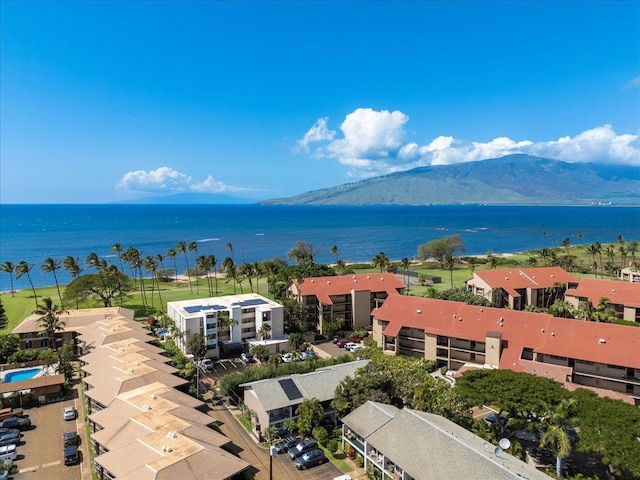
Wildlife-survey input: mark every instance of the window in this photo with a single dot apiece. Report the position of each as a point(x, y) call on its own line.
point(28, 344)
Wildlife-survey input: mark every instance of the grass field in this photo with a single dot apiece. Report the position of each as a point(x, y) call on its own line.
point(22, 304)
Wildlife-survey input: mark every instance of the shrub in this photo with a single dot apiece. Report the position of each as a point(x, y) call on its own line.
point(321, 435)
point(360, 462)
point(333, 445)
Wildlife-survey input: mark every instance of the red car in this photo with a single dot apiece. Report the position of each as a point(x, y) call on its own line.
point(341, 342)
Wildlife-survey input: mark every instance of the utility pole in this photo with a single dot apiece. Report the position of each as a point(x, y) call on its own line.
point(271, 454)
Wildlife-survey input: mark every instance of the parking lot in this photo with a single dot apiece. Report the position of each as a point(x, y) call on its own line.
point(40, 452)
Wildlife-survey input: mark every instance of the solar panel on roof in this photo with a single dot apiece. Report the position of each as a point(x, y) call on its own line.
point(290, 389)
point(250, 302)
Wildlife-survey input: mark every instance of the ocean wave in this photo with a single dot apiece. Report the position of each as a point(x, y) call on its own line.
point(204, 240)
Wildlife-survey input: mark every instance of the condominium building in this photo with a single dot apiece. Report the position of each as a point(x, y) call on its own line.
point(349, 298)
point(405, 444)
point(621, 297)
point(227, 322)
point(515, 288)
point(453, 334)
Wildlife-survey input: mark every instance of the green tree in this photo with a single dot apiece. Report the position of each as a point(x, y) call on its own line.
point(230, 270)
point(295, 340)
point(51, 266)
point(50, 323)
point(67, 355)
point(405, 262)
point(331, 326)
point(440, 249)
point(171, 253)
point(265, 331)
point(193, 247)
point(4, 320)
point(23, 268)
point(270, 433)
point(117, 249)
point(310, 414)
point(9, 344)
point(197, 347)
point(181, 247)
point(91, 286)
point(381, 261)
point(439, 398)
point(321, 435)
point(10, 268)
point(302, 252)
point(260, 351)
point(556, 420)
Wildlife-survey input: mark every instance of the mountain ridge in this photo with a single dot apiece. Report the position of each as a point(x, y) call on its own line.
point(510, 180)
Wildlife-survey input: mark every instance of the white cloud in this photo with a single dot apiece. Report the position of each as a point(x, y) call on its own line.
point(373, 143)
point(634, 83)
point(317, 133)
point(166, 180)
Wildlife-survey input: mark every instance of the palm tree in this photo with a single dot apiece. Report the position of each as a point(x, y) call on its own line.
point(274, 361)
point(171, 253)
point(611, 254)
point(341, 266)
point(381, 261)
point(591, 250)
point(50, 266)
point(181, 247)
point(557, 420)
point(117, 248)
point(50, 322)
point(128, 256)
point(247, 270)
point(193, 247)
point(265, 331)
point(9, 268)
point(405, 262)
point(159, 258)
point(150, 263)
point(23, 268)
point(229, 268)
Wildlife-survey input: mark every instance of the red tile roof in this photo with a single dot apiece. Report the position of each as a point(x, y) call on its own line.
point(618, 292)
point(517, 278)
point(590, 341)
point(324, 287)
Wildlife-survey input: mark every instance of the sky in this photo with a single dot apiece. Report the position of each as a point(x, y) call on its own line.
point(107, 101)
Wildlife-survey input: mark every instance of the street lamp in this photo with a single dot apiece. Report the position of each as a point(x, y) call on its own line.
point(272, 452)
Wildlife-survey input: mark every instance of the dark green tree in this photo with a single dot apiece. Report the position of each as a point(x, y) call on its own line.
point(10, 268)
point(197, 347)
point(441, 249)
point(9, 344)
point(94, 287)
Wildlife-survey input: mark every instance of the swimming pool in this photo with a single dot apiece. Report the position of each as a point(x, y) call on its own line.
point(21, 374)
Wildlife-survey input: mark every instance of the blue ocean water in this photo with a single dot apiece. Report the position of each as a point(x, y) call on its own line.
point(258, 232)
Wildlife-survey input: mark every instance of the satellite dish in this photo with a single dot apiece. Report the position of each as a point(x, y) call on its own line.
point(504, 443)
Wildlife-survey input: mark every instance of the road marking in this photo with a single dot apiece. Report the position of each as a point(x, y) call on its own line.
point(51, 464)
point(28, 469)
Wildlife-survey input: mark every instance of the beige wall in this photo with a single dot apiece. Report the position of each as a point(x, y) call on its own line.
point(361, 305)
point(252, 402)
point(492, 350)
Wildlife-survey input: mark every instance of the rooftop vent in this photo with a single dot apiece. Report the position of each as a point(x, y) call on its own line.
point(328, 282)
point(146, 406)
point(173, 435)
point(613, 290)
point(552, 275)
point(382, 279)
point(542, 330)
point(553, 334)
point(153, 396)
point(368, 277)
point(418, 311)
point(455, 316)
point(602, 340)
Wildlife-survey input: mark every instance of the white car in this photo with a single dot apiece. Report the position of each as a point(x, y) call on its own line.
point(287, 357)
point(8, 452)
point(356, 347)
point(349, 345)
point(206, 363)
point(69, 413)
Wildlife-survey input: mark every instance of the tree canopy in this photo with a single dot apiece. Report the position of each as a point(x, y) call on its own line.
point(104, 287)
point(441, 250)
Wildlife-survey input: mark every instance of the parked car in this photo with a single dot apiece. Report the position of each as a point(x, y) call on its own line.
point(9, 438)
point(8, 452)
point(70, 438)
point(310, 459)
point(21, 423)
point(284, 445)
point(206, 363)
point(493, 419)
point(349, 345)
point(11, 412)
point(69, 413)
point(287, 357)
point(247, 358)
point(12, 431)
point(70, 455)
point(341, 342)
point(356, 347)
point(302, 447)
point(309, 354)
point(4, 474)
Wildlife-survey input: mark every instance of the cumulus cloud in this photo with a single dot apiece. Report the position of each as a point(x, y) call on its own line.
point(166, 180)
point(373, 143)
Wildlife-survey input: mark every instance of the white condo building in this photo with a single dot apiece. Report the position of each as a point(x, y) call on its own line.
point(228, 322)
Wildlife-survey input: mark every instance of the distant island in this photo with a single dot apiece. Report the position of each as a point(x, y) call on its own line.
point(509, 180)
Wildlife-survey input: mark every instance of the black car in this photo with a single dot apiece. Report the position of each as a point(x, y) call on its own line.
point(70, 438)
point(70, 455)
point(284, 445)
point(310, 459)
point(301, 448)
point(9, 439)
point(20, 423)
point(12, 431)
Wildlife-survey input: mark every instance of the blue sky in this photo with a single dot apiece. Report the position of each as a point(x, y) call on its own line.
point(108, 101)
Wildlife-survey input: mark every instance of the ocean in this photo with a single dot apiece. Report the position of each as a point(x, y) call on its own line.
point(258, 232)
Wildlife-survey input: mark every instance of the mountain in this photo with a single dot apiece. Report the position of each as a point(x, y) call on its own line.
point(191, 199)
point(509, 180)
